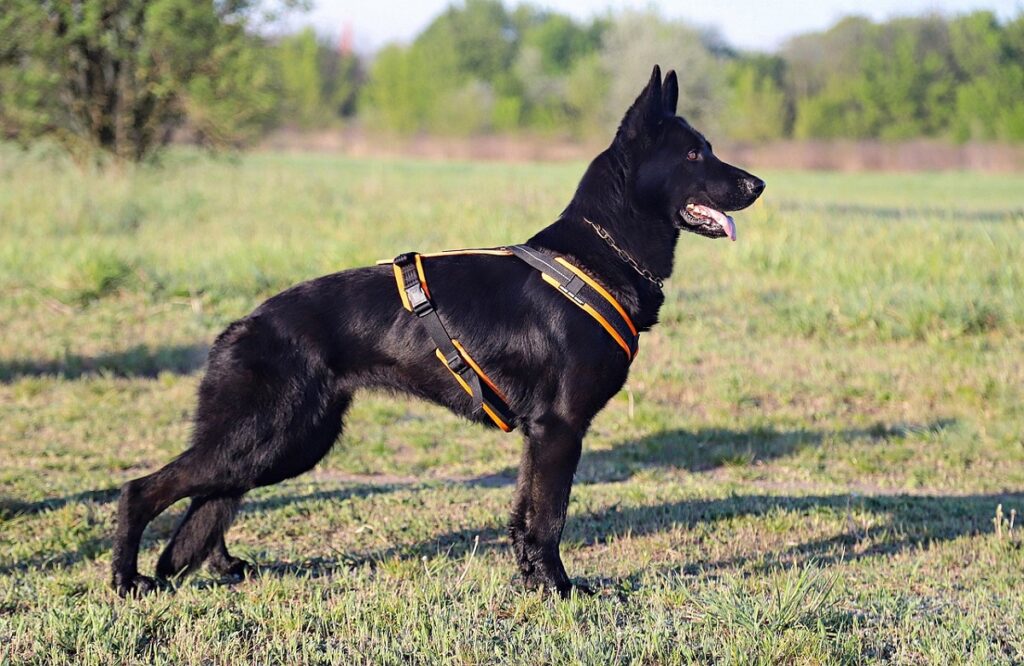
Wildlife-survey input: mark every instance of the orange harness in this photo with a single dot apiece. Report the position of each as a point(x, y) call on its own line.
point(569, 280)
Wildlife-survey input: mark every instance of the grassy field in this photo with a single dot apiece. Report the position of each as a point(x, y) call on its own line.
point(818, 458)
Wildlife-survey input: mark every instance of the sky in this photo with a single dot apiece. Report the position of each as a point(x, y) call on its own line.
point(746, 24)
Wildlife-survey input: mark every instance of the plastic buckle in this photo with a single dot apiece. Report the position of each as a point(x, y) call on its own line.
point(572, 289)
point(418, 300)
point(573, 286)
point(456, 363)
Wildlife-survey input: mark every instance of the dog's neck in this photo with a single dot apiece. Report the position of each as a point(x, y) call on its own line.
point(605, 197)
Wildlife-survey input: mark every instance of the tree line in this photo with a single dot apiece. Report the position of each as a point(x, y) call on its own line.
point(127, 76)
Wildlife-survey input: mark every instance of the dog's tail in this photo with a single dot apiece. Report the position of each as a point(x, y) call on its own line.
point(200, 531)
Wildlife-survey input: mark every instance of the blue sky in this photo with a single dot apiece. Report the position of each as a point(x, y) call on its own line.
point(753, 24)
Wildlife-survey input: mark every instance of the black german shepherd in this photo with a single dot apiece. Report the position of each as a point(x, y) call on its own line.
point(279, 381)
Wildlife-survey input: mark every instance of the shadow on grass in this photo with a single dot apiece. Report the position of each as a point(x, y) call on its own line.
point(9, 508)
point(87, 549)
point(709, 448)
point(908, 522)
point(339, 495)
point(137, 361)
point(915, 519)
point(912, 520)
point(695, 451)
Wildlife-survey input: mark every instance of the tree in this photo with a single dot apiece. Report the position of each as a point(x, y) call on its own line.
point(990, 58)
point(393, 97)
point(757, 108)
point(636, 40)
point(551, 73)
point(121, 76)
point(301, 84)
point(341, 74)
point(893, 80)
point(483, 37)
point(317, 82)
point(480, 67)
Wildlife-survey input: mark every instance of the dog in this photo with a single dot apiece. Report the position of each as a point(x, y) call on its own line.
point(278, 382)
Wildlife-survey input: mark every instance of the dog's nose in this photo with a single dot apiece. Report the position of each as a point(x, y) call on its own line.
point(753, 185)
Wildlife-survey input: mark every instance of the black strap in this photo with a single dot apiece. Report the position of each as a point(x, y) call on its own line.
point(577, 290)
point(423, 307)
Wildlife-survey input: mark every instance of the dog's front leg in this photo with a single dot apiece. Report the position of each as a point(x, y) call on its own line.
point(542, 498)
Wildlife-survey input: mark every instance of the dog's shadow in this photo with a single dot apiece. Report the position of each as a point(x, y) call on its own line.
point(143, 361)
point(910, 520)
point(709, 448)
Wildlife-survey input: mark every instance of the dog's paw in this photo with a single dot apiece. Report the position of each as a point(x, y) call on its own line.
point(234, 567)
point(567, 590)
point(580, 589)
point(563, 587)
point(134, 586)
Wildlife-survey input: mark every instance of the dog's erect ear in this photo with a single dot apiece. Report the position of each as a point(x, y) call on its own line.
point(647, 111)
point(670, 93)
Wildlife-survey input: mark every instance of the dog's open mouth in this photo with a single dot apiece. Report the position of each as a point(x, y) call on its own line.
point(707, 221)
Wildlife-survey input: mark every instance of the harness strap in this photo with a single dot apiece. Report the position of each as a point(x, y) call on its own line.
point(586, 293)
point(415, 295)
point(571, 282)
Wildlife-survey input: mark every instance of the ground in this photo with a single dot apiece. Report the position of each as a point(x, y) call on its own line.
point(818, 458)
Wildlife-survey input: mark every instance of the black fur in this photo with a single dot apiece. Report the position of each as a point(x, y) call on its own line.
point(279, 381)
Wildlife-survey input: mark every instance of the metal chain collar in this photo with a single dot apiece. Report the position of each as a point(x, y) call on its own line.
point(625, 256)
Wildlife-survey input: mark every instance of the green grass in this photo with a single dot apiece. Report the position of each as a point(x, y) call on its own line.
point(807, 466)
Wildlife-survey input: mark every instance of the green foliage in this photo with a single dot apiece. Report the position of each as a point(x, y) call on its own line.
point(908, 78)
point(479, 37)
point(317, 83)
point(452, 79)
point(757, 108)
point(482, 66)
point(559, 40)
point(302, 88)
point(529, 68)
point(121, 79)
point(340, 77)
point(989, 104)
point(394, 97)
point(636, 40)
point(479, 67)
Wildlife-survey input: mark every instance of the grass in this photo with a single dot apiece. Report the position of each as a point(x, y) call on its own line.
point(816, 460)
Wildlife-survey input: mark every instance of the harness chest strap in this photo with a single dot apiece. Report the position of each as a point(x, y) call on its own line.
point(586, 293)
point(571, 282)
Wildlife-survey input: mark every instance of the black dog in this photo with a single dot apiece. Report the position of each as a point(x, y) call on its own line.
point(279, 381)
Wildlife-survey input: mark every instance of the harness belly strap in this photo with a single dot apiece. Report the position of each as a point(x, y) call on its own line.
point(415, 295)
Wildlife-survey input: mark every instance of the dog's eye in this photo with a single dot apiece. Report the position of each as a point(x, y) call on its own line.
point(693, 155)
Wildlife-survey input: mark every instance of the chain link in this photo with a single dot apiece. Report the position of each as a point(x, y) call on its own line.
point(625, 256)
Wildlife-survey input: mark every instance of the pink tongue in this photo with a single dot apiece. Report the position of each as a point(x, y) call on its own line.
point(723, 220)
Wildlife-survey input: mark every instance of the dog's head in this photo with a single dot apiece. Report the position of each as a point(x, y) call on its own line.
point(676, 175)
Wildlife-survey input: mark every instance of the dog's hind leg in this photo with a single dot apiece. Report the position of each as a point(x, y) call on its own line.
point(201, 531)
point(200, 534)
point(144, 499)
point(224, 563)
